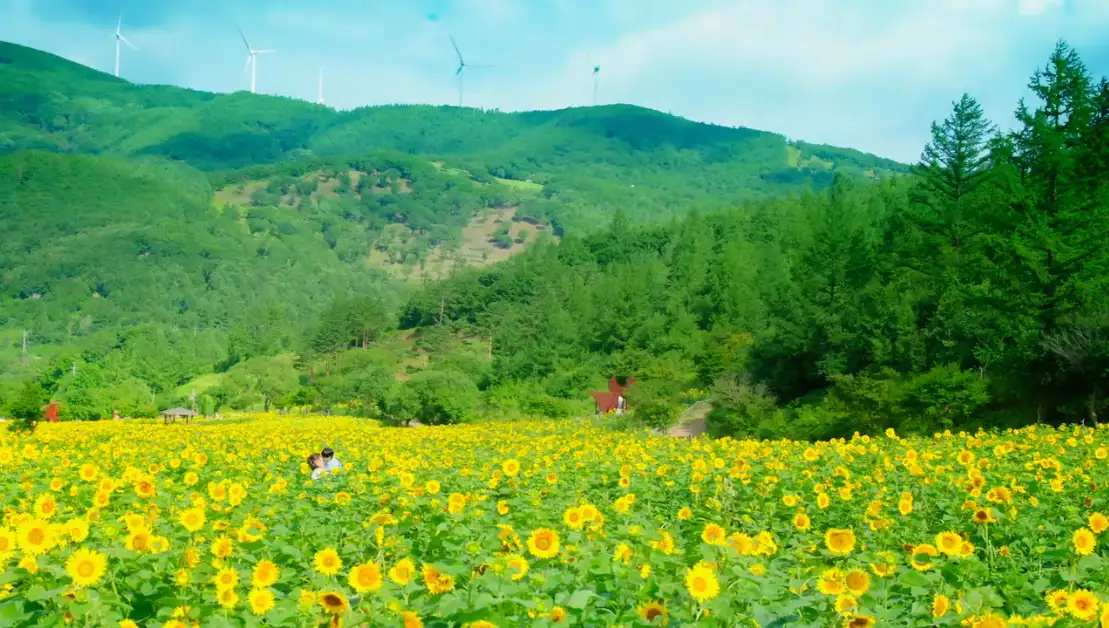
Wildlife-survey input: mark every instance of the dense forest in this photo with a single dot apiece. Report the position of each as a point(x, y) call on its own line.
point(216, 254)
point(970, 294)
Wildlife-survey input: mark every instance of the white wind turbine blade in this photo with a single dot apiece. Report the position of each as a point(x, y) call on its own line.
point(264, 52)
point(249, 57)
point(124, 40)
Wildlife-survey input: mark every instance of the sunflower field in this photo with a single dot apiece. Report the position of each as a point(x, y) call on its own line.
point(547, 523)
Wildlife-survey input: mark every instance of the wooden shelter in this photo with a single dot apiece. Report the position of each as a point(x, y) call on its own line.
point(171, 415)
point(607, 401)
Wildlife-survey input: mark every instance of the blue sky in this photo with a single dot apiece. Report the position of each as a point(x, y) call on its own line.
point(869, 74)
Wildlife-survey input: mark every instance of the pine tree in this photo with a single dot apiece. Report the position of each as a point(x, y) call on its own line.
point(953, 168)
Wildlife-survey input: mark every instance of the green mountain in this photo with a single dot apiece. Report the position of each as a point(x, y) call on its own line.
point(134, 212)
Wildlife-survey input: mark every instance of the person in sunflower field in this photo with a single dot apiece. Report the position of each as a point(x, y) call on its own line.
point(330, 462)
point(316, 464)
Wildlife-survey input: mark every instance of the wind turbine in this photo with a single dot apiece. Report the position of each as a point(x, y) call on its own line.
point(596, 78)
point(462, 65)
point(252, 59)
point(319, 91)
point(121, 38)
point(458, 72)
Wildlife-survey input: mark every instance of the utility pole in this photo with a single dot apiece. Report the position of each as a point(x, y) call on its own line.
point(73, 369)
point(24, 354)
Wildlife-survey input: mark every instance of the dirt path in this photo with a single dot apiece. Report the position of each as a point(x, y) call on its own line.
point(691, 423)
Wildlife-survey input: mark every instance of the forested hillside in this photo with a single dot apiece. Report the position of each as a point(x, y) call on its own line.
point(806, 297)
point(207, 230)
point(971, 294)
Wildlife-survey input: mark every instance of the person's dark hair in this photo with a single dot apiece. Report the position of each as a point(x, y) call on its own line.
point(328, 452)
point(312, 458)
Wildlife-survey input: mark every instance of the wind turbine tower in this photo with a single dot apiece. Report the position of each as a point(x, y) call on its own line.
point(121, 38)
point(252, 60)
point(319, 90)
point(596, 79)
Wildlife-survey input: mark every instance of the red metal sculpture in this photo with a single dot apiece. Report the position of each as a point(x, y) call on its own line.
point(610, 401)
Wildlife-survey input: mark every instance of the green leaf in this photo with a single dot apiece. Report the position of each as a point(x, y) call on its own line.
point(580, 598)
point(914, 579)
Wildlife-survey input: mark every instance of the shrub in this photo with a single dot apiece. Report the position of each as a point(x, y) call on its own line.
point(443, 397)
point(741, 408)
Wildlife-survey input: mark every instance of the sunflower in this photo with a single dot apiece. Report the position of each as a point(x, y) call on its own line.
point(1098, 523)
point(989, 620)
point(949, 543)
point(261, 601)
point(327, 562)
point(1057, 600)
point(410, 619)
point(1083, 605)
point(685, 513)
point(77, 529)
point(653, 610)
point(742, 544)
point(623, 553)
point(543, 543)
point(436, 581)
point(510, 467)
point(922, 556)
point(573, 518)
point(145, 488)
point(334, 602)
point(665, 544)
point(192, 519)
point(45, 506)
point(86, 567)
point(227, 598)
point(88, 472)
point(266, 573)
point(226, 578)
point(831, 582)
point(845, 603)
point(139, 539)
point(402, 572)
point(519, 566)
point(558, 615)
point(701, 582)
point(35, 537)
point(840, 541)
point(1084, 542)
point(859, 621)
point(365, 578)
point(713, 534)
point(801, 521)
point(940, 605)
point(222, 547)
point(983, 516)
point(858, 581)
point(7, 542)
